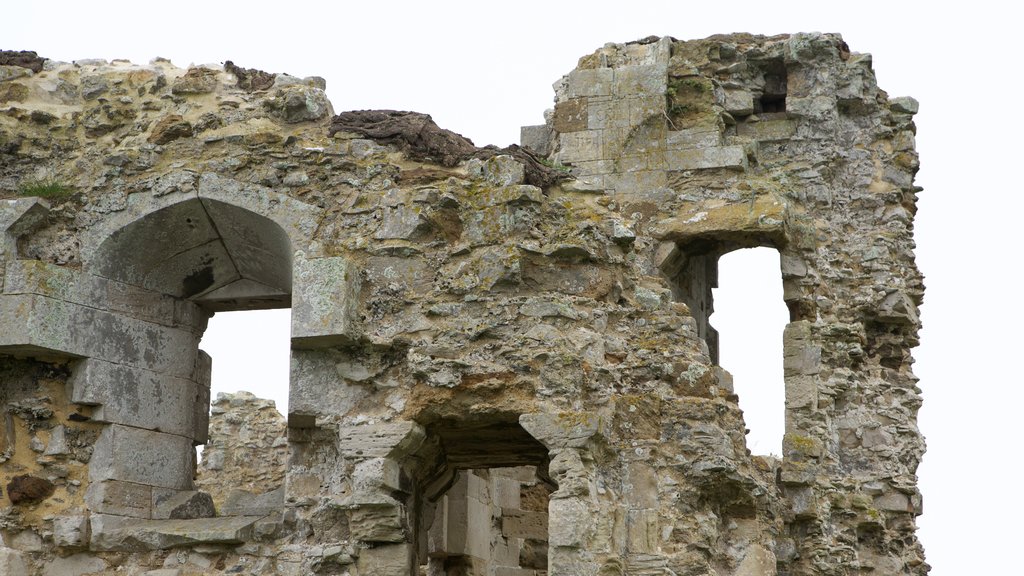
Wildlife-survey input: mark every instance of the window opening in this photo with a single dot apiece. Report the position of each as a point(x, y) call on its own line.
point(750, 317)
point(773, 95)
point(250, 351)
point(247, 446)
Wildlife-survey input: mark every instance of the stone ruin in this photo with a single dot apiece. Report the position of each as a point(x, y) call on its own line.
point(501, 359)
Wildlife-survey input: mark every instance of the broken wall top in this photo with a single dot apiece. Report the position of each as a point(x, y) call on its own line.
point(485, 307)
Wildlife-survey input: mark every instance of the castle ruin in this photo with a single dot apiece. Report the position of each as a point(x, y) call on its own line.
point(502, 362)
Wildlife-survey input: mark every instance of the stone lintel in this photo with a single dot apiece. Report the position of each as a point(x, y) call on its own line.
point(752, 223)
point(117, 533)
point(387, 440)
point(732, 157)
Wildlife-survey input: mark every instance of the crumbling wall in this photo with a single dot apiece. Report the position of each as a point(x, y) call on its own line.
point(459, 309)
point(247, 453)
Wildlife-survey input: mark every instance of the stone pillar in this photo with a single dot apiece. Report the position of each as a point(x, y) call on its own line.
point(579, 518)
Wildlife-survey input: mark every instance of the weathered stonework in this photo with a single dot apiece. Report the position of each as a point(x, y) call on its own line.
point(502, 361)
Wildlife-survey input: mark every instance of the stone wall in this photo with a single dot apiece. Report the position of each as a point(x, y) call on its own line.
point(458, 314)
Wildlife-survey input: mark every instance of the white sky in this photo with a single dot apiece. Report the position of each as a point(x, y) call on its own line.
point(484, 69)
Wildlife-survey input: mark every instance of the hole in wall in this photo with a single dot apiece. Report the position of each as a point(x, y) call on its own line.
point(483, 503)
point(490, 521)
point(773, 92)
point(251, 352)
point(750, 317)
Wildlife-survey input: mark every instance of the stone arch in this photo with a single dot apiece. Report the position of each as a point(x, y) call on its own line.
point(215, 239)
point(210, 252)
point(221, 246)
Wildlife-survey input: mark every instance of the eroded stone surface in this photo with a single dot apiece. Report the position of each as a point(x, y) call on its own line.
point(544, 308)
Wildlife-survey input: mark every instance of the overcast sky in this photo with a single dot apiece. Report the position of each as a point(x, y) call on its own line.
point(484, 69)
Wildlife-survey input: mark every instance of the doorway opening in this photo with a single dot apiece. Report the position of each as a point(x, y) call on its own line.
point(484, 509)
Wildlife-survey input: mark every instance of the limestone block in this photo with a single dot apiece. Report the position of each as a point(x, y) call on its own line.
point(893, 501)
point(580, 146)
point(731, 157)
point(506, 492)
point(376, 473)
point(800, 356)
point(384, 440)
point(768, 130)
point(378, 522)
point(243, 503)
point(120, 498)
point(41, 323)
point(63, 283)
point(738, 102)
point(58, 444)
point(297, 219)
point(501, 170)
point(571, 115)
point(564, 430)
point(904, 105)
point(802, 501)
point(298, 103)
point(143, 457)
point(644, 79)
point(136, 397)
point(898, 308)
point(642, 531)
point(517, 523)
point(12, 563)
point(412, 275)
point(325, 297)
point(402, 222)
point(390, 560)
point(642, 109)
point(817, 107)
point(74, 565)
point(536, 138)
point(764, 217)
point(801, 392)
point(19, 216)
point(569, 522)
point(693, 138)
point(115, 533)
point(71, 531)
point(201, 408)
point(317, 387)
point(590, 82)
point(183, 505)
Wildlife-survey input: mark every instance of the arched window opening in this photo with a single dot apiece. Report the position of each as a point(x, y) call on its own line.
point(750, 316)
point(174, 268)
